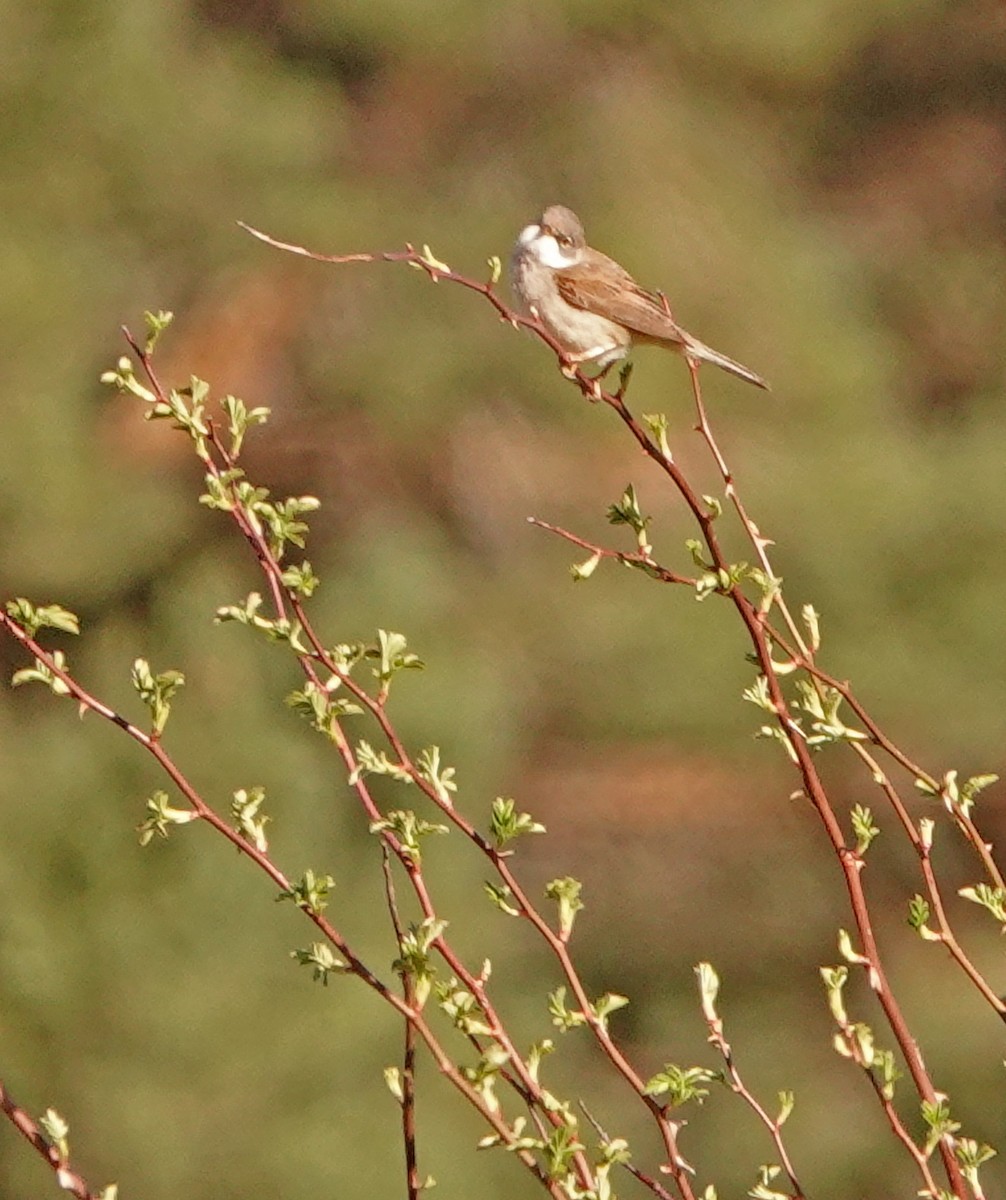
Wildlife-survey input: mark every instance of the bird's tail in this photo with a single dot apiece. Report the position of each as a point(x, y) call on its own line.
point(706, 353)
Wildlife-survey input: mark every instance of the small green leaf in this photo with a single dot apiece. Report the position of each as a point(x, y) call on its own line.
point(681, 1084)
point(835, 979)
point(567, 892)
point(993, 900)
point(56, 1131)
point(822, 704)
point(42, 673)
point(709, 988)
point(848, 953)
point(156, 324)
point(864, 828)
point(759, 694)
point(656, 423)
point(971, 789)
point(393, 1080)
point(318, 705)
point(322, 961)
point(770, 587)
point(414, 957)
point(608, 1003)
point(971, 1155)
point(885, 1070)
point(506, 823)
point(439, 777)
point(240, 419)
point(250, 823)
point(409, 830)
point(763, 1189)
point(500, 895)
point(394, 655)
point(310, 893)
point(918, 915)
point(373, 762)
point(812, 620)
point(584, 570)
point(936, 1115)
point(562, 1017)
point(301, 579)
point(627, 512)
point(463, 1009)
point(123, 377)
point(535, 1055)
point(156, 691)
point(560, 1148)
point(162, 817)
point(32, 618)
point(787, 1102)
point(426, 261)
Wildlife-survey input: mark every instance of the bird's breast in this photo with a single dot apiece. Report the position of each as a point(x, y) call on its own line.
point(582, 334)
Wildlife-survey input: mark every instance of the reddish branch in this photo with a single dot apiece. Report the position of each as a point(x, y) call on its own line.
point(759, 634)
point(288, 604)
point(763, 636)
point(354, 964)
point(31, 1131)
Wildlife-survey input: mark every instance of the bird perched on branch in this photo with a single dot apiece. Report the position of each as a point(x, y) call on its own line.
point(592, 306)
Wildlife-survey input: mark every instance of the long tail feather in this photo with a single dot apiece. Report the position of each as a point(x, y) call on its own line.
point(707, 354)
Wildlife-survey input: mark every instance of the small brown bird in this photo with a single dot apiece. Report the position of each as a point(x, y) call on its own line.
point(593, 307)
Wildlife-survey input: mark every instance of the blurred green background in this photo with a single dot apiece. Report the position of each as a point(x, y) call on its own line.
point(819, 187)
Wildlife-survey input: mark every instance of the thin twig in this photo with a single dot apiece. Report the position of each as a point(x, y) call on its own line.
point(408, 1097)
point(32, 1132)
point(754, 621)
point(354, 964)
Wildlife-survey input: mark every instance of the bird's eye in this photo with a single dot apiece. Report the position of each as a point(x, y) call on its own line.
point(564, 239)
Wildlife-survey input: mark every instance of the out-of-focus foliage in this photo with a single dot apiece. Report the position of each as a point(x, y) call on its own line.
point(818, 187)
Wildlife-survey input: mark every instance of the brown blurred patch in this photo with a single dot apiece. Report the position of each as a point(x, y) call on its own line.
point(239, 336)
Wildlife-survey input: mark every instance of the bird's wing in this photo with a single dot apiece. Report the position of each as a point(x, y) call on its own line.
point(614, 294)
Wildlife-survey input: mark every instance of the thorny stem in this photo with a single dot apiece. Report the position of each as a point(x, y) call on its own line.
point(945, 935)
point(633, 559)
point(737, 1085)
point(354, 964)
point(755, 624)
point(931, 1191)
point(753, 621)
point(877, 736)
point(647, 1181)
point(288, 602)
point(761, 635)
point(849, 861)
point(803, 656)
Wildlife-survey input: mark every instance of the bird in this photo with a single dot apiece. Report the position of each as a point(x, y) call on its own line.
point(591, 305)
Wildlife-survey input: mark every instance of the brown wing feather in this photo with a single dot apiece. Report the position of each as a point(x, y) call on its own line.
point(616, 295)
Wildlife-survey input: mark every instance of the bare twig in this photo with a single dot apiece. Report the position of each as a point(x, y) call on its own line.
point(408, 1077)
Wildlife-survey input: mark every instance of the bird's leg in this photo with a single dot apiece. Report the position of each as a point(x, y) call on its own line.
point(594, 395)
point(572, 368)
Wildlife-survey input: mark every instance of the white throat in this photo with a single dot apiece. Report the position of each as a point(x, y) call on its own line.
point(546, 250)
